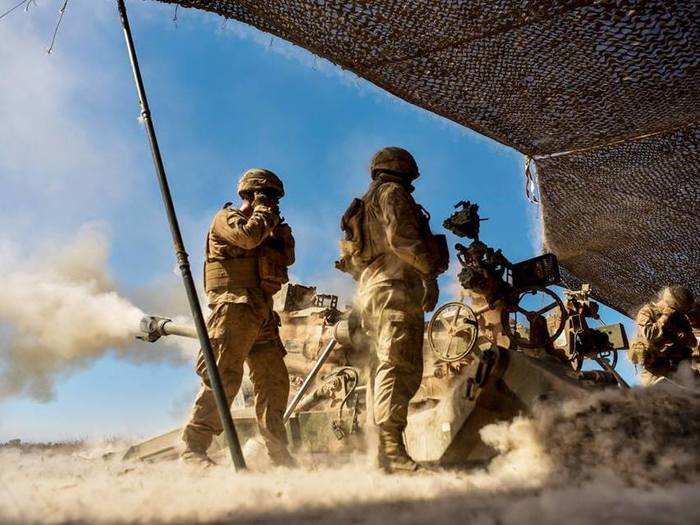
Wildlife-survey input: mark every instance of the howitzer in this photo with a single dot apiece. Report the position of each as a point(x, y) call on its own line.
point(326, 388)
point(327, 357)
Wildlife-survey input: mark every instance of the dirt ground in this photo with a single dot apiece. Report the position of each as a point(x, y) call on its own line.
point(613, 458)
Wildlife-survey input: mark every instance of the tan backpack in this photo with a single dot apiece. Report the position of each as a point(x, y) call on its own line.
point(352, 246)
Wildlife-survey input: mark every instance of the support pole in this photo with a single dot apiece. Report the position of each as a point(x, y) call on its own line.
point(310, 378)
point(214, 380)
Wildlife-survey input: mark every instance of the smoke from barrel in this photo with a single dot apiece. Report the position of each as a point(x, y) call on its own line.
point(59, 312)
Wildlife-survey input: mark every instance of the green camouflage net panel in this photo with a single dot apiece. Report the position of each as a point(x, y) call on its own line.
point(543, 77)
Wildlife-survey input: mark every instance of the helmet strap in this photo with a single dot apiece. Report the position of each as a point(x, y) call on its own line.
point(394, 176)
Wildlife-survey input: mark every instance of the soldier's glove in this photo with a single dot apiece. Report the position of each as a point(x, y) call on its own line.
point(264, 200)
point(269, 206)
point(431, 292)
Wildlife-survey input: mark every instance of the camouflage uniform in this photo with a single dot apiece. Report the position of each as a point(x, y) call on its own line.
point(396, 260)
point(662, 343)
point(247, 256)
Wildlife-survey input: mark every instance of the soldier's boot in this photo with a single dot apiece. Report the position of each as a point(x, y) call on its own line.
point(281, 457)
point(195, 451)
point(196, 458)
point(393, 458)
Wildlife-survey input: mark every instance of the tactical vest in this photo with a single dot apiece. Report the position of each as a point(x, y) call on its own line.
point(220, 276)
point(262, 267)
point(365, 238)
point(437, 244)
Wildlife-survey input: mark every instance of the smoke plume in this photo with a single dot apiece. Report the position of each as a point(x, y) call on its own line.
point(59, 312)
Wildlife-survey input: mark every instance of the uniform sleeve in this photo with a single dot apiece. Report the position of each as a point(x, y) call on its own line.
point(651, 328)
point(289, 249)
point(235, 228)
point(402, 229)
point(284, 243)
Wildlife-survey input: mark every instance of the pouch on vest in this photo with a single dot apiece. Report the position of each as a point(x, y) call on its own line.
point(352, 245)
point(230, 274)
point(437, 244)
point(272, 268)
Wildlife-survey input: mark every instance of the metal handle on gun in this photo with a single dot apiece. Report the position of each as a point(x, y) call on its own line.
point(605, 366)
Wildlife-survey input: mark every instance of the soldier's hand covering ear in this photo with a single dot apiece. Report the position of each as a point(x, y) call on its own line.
point(431, 293)
point(261, 199)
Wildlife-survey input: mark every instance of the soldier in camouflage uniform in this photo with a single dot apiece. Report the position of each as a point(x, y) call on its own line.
point(390, 250)
point(664, 335)
point(248, 250)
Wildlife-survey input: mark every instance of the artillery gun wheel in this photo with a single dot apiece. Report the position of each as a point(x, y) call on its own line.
point(509, 316)
point(453, 331)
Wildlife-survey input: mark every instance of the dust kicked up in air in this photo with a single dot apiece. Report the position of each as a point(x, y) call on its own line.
point(619, 457)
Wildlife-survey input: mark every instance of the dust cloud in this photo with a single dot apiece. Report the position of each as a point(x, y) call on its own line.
point(617, 458)
point(59, 312)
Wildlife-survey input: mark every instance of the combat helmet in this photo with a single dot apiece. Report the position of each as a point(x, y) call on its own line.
point(396, 161)
point(678, 298)
point(259, 179)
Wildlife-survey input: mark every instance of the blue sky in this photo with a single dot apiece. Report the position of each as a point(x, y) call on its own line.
point(224, 98)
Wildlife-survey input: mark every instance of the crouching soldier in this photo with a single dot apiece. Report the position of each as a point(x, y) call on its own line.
point(391, 251)
point(664, 337)
point(248, 250)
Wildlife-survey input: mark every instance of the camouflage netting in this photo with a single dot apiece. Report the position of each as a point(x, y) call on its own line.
point(545, 77)
point(626, 217)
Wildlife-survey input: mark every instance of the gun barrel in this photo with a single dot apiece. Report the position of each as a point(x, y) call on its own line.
point(154, 327)
point(183, 330)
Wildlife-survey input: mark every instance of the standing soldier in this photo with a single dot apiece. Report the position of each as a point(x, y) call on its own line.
point(390, 250)
point(664, 335)
point(248, 251)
